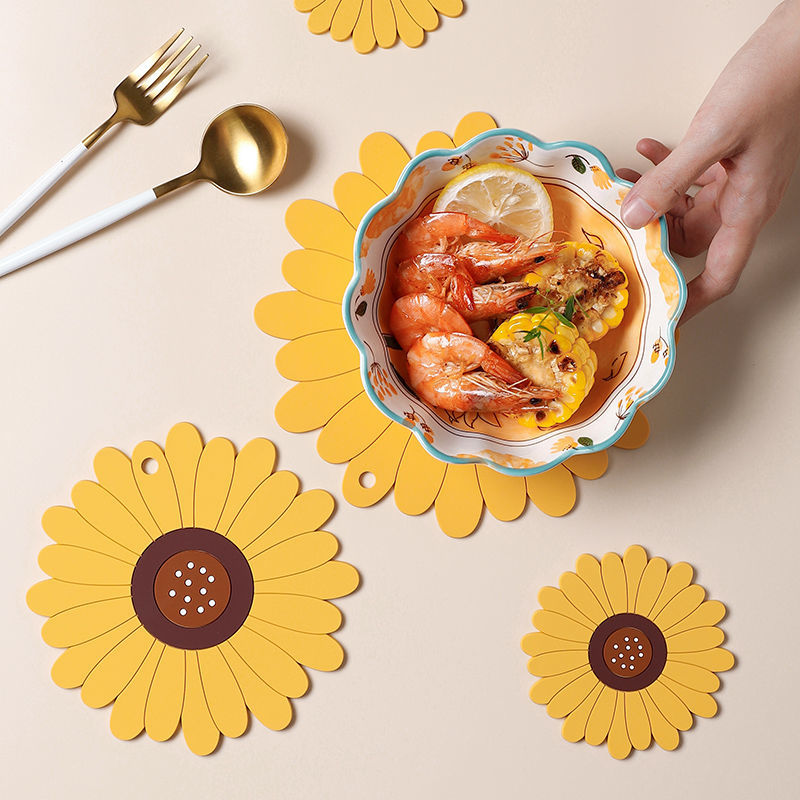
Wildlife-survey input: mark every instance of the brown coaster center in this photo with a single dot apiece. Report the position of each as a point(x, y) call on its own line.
point(627, 652)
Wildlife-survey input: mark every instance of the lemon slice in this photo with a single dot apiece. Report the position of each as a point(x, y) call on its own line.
point(504, 196)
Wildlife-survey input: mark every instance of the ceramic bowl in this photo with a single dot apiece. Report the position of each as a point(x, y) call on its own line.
point(635, 360)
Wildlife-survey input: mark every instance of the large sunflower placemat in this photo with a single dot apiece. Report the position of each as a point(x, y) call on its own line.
point(320, 358)
point(377, 22)
point(190, 585)
point(627, 651)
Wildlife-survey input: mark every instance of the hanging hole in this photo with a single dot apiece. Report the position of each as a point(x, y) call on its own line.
point(367, 480)
point(150, 466)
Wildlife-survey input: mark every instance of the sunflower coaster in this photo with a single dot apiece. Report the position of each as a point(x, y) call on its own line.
point(189, 585)
point(377, 22)
point(320, 357)
point(627, 650)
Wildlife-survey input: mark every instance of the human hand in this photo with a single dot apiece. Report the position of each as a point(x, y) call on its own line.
point(740, 149)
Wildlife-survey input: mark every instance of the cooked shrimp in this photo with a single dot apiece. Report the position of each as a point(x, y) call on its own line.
point(415, 315)
point(488, 261)
point(460, 373)
point(436, 233)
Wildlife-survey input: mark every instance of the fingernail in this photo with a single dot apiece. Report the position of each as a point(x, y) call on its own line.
point(637, 213)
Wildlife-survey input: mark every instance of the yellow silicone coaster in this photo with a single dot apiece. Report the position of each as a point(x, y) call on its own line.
point(377, 22)
point(190, 585)
point(627, 650)
point(320, 357)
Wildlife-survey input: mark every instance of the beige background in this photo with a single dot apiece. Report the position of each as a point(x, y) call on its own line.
point(116, 339)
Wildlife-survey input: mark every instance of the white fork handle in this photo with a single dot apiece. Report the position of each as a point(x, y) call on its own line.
point(76, 232)
point(41, 187)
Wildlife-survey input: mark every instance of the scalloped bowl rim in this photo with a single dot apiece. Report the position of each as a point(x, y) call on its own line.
point(672, 323)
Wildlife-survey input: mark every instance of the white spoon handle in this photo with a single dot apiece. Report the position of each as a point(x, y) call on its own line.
point(40, 187)
point(76, 232)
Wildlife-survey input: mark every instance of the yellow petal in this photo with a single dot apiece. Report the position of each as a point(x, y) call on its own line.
point(653, 577)
point(269, 708)
point(344, 19)
point(252, 467)
point(619, 745)
point(76, 625)
point(295, 555)
point(289, 315)
point(697, 702)
point(634, 561)
point(105, 513)
point(545, 689)
point(370, 475)
point(695, 639)
point(50, 597)
point(354, 428)
point(684, 603)
point(382, 159)
point(300, 360)
point(636, 435)
point(113, 673)
point(419, 479)
point(183, 449)
point(319, 21)
point(307, 512)
point(553, 491)
point(505, 495)
point(66, 526)
point(409, 31)
point(332, 579)
point(589, 466)
point(156, 487)
point(199, 730)
point(588, 570)
point(225, 699)
point(665, 735)
point(317, 226)
point(311, 405)
point(471, 125)
point(214, 476)
point(574, 726)
point(547, 664)
point(555, 600)
point(561, 627)
point(614, 581)
point(450, 8)
point(127, 715)
point(422, 11)
point(355, 194)
point(459, 504)
point(719, 659)
point(364, 34)
point(306, 5)
point(637, 721)
point(76, 565)
point(165, 699)
point(298, 613)
point(114, 473)
point(670, 705)
point(709, 613)
point(270, 663)
point(599, 722)
point(691, 676)
point(384, 23)
point(74, 664)
point(572, 695)
point(537, 643)
point(317, 651)
point(582, 597)
point(435, 140)
point(263, 507)
point(314, 273)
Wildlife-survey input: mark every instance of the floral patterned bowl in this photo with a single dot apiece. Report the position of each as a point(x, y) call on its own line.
point(634, 360)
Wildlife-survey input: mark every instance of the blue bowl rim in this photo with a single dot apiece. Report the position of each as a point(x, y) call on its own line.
point(357, 276)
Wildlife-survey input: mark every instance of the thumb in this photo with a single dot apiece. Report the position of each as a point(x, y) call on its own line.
point(665, 185)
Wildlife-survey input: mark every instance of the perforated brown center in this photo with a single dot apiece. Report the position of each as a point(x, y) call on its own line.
point(627, 652)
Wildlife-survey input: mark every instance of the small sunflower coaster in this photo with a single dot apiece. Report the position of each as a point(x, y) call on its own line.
point(377, 22)
point(189, 585)
point(627, 650)
point(323, 361)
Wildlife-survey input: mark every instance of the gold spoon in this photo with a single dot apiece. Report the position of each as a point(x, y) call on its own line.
point(243, 152)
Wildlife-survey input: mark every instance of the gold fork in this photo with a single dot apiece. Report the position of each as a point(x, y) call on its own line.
point(142, 97)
